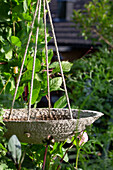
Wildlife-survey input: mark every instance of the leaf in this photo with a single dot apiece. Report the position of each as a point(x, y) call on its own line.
point(50, 55)
point(26, 17)
point(27, 76)
point(4, 9)
point(12, 84)
point(6, 47)
point(37, 65)
point(66, 159)
point(20, 91)
point(2, 39)
point(17, 13)
point(36, 90)
point(28, 2)
point(14, 147)
point(2, 147)
point(54, 65)
point(35, 95)
point(38, 77)
point(55, 83)
point(3, 166)
point(61, 153)
point(25, 5)
point(15, 41)
point(66, 66)
point(61, 102)
point(17, 1)
point(8, 55)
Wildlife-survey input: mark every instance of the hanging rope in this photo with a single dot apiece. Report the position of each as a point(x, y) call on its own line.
point(17, 85)
point(57, 51)
point(46, 50)
point(34, 61)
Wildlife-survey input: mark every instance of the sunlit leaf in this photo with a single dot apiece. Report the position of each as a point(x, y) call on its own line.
point(20, 91)
point(37, 65)
point(55, 83)
point(26, 17)
point(50, 55)
point(27, 76)
point(36, 90)
point(66, 66)
point(25, 5)
point(61, 102)
point(2, 147)
point(8, 55)
point(15, 41)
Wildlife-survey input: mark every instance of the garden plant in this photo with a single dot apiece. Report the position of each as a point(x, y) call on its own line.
point(16, 18)
point(90, 78)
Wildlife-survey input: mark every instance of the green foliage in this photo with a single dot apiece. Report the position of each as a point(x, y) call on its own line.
point(14, 36)
point(37, 65)
point(66, 66)
point(91, 87)
point(58, 150)
point(15, 20)
point(55, 152)
point(61, 102)
point(91, 83)
point(94, 75)
point(3, 144)
point(36, 90)
point(3, 150)
point(55, 83)
point(15, 41)
point(96, 19)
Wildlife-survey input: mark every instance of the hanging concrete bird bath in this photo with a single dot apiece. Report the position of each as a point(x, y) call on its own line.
point(35, 125)
point(59, 125)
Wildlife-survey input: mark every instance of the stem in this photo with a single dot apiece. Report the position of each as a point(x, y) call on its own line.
point(45, 155)
point(65, 155)
point(5, 84)
point(22, 158)
point(14, 28)
point(18, 167)
point(26, 92)
point(78, 149)
point(88, 52)
point(3, 63)
point(103, 38)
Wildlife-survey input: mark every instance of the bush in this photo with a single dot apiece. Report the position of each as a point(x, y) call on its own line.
point(90, 83)
point(91, 88)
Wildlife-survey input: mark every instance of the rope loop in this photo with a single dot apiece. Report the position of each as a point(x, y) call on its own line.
point(21, 69)
point(38, 8)
point(58, 55)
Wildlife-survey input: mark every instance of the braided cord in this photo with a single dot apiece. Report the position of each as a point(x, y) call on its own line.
point(34, 60)
point(29, 38)
point(57, 51)
point(46, 51)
